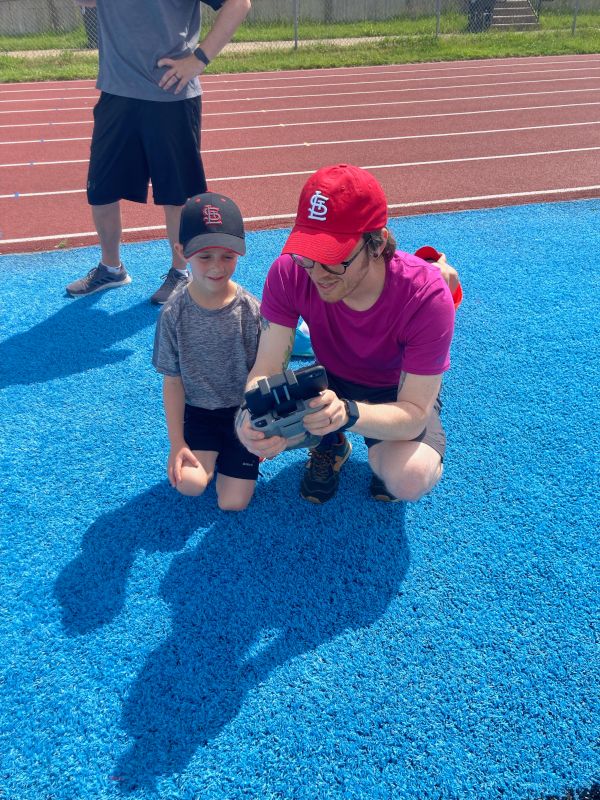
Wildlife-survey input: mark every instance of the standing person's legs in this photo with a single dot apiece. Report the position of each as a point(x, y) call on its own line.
point(118, 170)
point(107, 220)
point(172, 218)
point(171, 136)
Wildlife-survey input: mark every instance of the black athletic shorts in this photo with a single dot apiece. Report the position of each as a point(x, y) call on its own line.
point(205, 429)
point(135, 141)
point(433, 434)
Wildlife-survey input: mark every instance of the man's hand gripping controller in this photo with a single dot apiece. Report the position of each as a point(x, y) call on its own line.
point(279, 403)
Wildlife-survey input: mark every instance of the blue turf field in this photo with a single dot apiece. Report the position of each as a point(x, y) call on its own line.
point(155, 647)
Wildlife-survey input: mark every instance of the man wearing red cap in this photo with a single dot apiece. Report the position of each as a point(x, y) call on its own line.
point(381, 323)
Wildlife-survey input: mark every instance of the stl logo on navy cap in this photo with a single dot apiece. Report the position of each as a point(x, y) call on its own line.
point(212, 215)
point(211, 220)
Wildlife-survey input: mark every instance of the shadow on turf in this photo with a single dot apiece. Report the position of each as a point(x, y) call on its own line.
point(593, 793)
point(77, 338)
point(91, 589)
point(277, 581)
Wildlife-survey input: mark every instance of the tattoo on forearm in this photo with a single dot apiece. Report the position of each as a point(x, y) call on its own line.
point(288, 353)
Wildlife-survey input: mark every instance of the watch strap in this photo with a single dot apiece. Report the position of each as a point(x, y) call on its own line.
point(352, 412)
point(201, 56)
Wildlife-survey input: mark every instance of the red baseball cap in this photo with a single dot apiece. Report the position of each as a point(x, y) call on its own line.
point(337, 205)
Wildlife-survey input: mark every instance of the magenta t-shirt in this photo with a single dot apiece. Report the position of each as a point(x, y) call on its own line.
point(408, 329)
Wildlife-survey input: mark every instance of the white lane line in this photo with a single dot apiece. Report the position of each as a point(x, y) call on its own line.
point(322, 143)
point(427, 66)
point(298, 78)
point(292, 214)
point(50, 99)
point(278, 78)
point(387, 90)
point(281, 125)
point(304, 109)
point(404, 164)
point(209, 90)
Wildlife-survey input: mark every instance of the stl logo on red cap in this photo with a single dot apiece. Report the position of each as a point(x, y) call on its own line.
point(318, 207)
point(212, 215)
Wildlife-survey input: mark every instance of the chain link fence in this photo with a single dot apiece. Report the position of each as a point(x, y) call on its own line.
point(61, 25)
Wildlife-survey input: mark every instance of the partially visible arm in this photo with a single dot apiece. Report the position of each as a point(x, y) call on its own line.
point(274, 350)
point(400, 421)
point(182, 70)
point(174, 403)
point(231, 15)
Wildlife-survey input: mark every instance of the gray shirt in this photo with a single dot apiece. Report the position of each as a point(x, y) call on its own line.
point(212, 350)
point(135, 34)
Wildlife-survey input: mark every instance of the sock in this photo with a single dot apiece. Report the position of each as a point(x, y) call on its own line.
point(113, 270)
point(182, 272)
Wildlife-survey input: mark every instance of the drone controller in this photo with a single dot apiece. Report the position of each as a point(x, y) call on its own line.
point(279, 403)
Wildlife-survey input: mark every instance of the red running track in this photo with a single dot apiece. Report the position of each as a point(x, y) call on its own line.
point(438, 136)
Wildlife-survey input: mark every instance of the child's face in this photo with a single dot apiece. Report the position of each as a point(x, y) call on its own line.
point(213, 267)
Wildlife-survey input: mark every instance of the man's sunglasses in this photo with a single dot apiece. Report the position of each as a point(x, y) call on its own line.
point(336, 269)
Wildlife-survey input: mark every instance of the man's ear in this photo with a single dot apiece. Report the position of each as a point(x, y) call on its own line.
point(385, 235)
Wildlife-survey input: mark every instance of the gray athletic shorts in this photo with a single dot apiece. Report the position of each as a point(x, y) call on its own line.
point(433, 434)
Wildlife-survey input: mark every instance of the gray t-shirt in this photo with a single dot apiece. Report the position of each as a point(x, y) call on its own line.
point(135, 34)
point(212, 351)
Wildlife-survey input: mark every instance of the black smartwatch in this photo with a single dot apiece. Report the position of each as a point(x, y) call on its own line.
point(352, 412)
point(201, 56)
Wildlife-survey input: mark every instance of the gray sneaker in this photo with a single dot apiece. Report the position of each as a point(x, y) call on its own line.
point(97, 279)
point(173, 280)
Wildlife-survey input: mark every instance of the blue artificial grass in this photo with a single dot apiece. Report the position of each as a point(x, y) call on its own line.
point(156, 647)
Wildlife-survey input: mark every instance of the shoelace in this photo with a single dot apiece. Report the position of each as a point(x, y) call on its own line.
point(321, 464)
point(174, 276)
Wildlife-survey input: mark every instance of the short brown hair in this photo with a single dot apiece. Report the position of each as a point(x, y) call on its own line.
point(376, 239)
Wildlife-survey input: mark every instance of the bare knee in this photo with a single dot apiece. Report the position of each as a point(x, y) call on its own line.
point(233, 503)
point(414, 482)
point(193, 482)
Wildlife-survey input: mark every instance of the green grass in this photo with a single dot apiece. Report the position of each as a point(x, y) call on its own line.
point(420, 46)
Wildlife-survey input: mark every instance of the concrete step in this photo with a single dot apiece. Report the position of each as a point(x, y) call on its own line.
point(522, 9)
point(515, 18)
point(515, 26)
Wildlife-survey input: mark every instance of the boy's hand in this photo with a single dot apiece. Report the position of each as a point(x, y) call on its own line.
point(255, 441)
point(179, 72)
point(179, 457)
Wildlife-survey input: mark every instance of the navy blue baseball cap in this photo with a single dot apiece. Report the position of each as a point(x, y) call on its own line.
point(211, 220)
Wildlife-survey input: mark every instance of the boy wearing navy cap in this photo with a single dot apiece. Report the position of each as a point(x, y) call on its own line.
point(205, 345)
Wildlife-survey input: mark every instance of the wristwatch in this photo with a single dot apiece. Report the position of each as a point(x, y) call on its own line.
point(201, 56)
point(352, 412)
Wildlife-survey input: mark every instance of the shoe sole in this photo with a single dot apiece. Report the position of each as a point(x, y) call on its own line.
point(315, 500)
point(386, 498)
point(114, 285)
